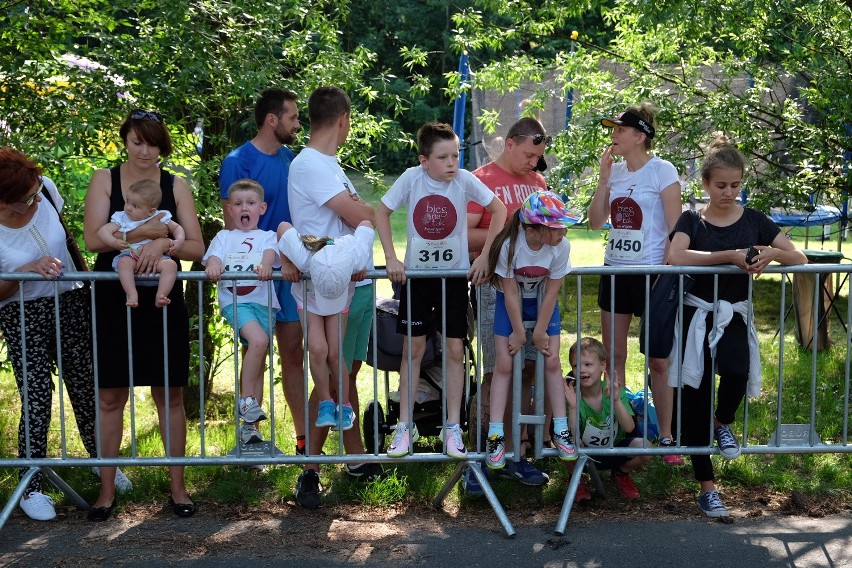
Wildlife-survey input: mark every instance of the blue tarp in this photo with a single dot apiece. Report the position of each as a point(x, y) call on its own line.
point(821, 215)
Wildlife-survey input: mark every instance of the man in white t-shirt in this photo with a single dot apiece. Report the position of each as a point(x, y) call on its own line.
point(323, 202)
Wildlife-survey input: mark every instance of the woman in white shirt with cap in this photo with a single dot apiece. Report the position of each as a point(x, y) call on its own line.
point(640, 196)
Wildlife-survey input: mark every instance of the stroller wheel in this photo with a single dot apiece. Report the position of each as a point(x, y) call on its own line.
point(374, 444)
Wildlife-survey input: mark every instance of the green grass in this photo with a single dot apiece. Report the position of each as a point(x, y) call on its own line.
point(419, 483)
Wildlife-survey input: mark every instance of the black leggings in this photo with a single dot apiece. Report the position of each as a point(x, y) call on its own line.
point(732, 364)
point(41, 350)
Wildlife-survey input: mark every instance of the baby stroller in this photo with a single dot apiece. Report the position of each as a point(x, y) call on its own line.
point(387, 357)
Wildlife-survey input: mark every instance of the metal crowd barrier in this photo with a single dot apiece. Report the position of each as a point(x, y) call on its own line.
point(788, 438)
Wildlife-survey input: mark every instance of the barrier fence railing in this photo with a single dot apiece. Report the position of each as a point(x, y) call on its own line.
point(787, 438)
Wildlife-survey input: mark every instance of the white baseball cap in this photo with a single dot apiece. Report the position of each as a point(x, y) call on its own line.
point(331, 275)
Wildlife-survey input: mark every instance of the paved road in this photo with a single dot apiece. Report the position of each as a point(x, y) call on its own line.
point(327, 539)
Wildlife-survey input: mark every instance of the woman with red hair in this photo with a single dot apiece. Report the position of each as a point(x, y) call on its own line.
point(33, 240)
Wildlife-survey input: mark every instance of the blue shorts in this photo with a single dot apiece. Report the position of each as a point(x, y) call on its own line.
point(529, 312)
point(246, 313)
point(289, 310)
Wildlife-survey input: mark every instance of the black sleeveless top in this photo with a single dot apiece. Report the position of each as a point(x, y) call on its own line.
point(150, 337)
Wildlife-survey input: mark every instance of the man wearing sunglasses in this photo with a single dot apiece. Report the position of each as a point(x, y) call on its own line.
point(513, 176)
point(266, 159)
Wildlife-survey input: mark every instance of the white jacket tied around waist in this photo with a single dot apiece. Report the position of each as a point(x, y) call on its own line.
point(693, 352)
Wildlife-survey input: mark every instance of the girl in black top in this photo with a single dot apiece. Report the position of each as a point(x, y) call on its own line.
point(724, 234)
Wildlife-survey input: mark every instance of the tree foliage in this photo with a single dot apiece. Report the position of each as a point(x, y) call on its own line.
point(774, 74)
point(71, 70)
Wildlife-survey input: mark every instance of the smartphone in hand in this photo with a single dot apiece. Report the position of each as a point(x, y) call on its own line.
point(750, 254)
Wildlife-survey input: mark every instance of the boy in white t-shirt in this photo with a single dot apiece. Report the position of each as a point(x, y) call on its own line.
point(247, 249)
point(436, 193)
point(140, 206)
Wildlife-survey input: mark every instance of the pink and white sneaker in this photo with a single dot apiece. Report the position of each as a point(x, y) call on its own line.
point(403, 440)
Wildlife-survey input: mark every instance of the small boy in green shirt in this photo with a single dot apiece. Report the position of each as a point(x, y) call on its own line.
point(597, 427)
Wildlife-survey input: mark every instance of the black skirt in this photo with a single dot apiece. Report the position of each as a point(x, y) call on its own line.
point(149, 341)
point(150, 338)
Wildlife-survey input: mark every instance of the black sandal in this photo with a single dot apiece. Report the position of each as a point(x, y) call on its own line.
point(183, 510)
point(100, 514)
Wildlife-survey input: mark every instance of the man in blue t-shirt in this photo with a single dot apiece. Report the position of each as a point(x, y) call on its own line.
point(266, 159)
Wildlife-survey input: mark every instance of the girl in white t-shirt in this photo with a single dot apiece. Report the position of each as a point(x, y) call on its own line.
point(530, 252)
point(331, 263)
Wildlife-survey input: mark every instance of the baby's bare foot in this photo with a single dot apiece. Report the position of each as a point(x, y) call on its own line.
point(132, 301)
point(162, 300)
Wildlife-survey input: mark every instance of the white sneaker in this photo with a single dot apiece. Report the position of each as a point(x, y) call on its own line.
point(38, 506)
point(122, 482)
point(403, 440)
point(455, 443)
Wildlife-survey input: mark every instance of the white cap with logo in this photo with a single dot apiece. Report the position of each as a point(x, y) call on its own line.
point(331, 271)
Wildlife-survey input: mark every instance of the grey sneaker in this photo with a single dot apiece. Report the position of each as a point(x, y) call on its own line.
point(712, 505)
point(250, 410)
point(122, 482)
point(249, 434)
point(729, 447)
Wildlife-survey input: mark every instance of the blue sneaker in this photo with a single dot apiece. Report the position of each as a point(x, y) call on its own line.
point(711, 505)
point(471, 485)
point(348, 418)
point(325, 415)
point(524, 472)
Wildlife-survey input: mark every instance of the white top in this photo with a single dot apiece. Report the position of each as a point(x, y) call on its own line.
point(241, 251)
point(692, 361)
point(359, 247)
point(126, 224)
point(42, 236)
point(313, 180)
point(639, 229)
point(437, 216)
point(531, 267)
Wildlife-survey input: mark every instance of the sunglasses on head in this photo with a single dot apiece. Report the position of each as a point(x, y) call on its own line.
point(140, 114)
point(537, 138)
point(29, 200)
